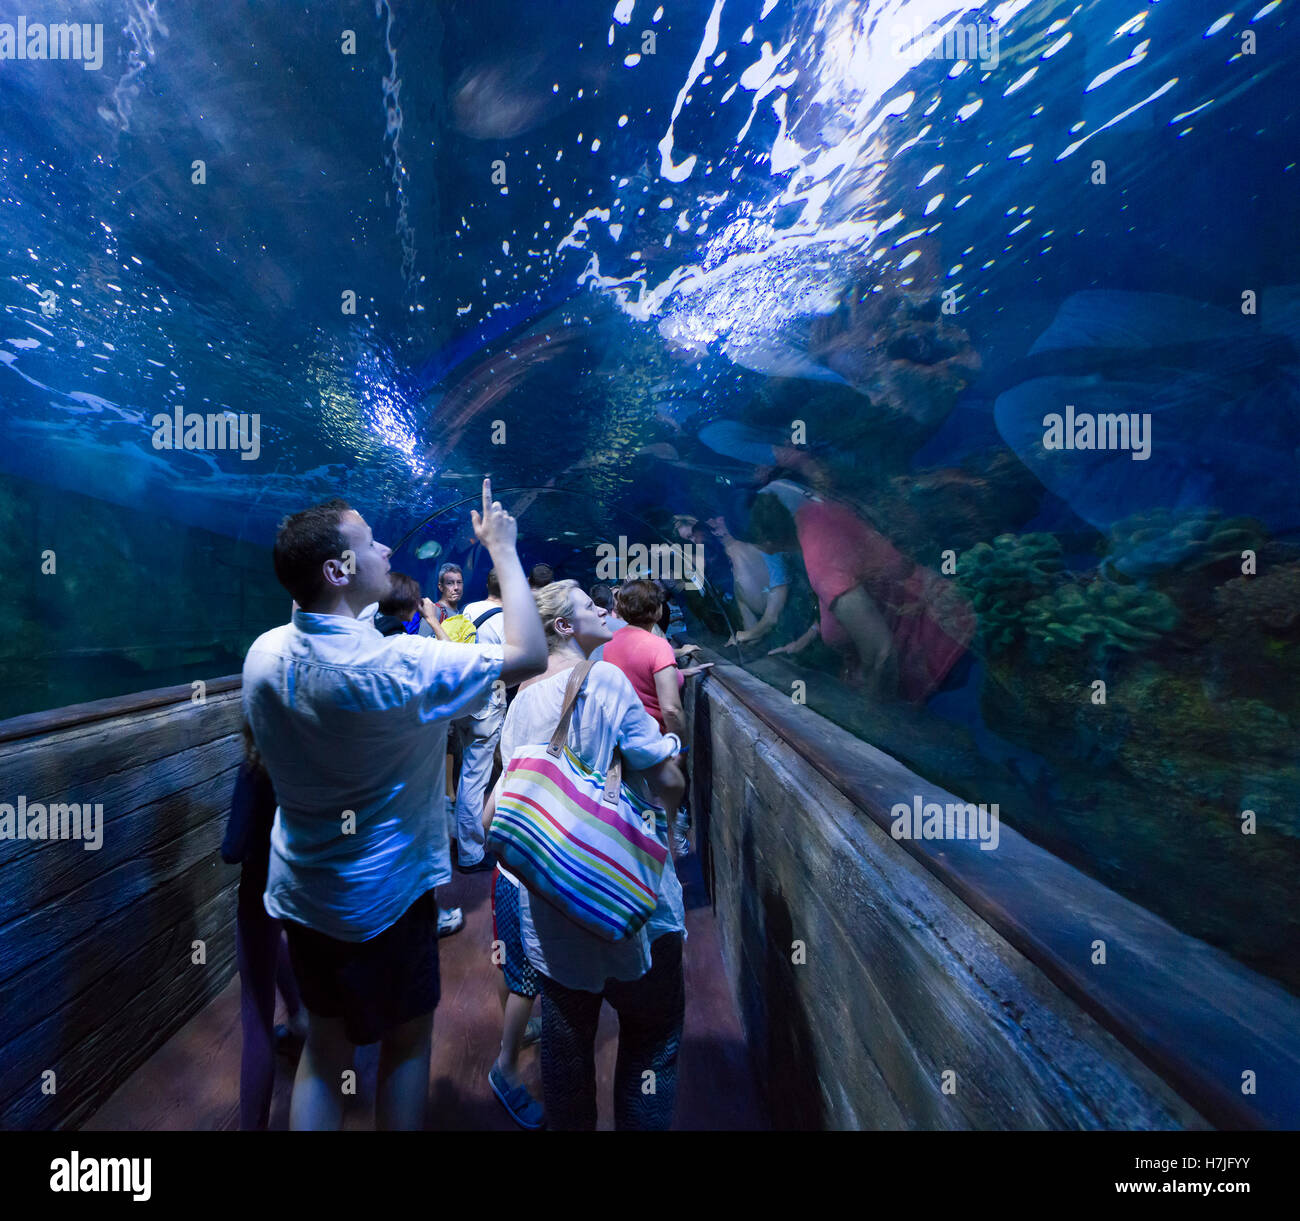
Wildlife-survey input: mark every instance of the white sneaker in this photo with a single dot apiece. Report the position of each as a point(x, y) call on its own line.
point(450, 921)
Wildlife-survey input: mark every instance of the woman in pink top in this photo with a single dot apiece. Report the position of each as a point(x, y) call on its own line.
point(648, 660)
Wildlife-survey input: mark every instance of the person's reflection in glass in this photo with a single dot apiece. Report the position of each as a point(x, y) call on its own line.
point(900, 628)
point(760, 580)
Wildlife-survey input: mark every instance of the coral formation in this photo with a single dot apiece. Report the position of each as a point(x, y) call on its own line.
point(1268, 603)
point(1102, 617)
point(1147, 791)
point(1001, 578)
point(1159, 539)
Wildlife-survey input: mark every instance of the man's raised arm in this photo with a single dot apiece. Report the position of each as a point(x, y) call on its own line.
point(525, 640)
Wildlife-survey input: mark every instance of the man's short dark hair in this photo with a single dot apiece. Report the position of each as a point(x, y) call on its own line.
point(541, 576)
point(494, 584)
point(602, 596)
point(303, 543)
point(403, 597)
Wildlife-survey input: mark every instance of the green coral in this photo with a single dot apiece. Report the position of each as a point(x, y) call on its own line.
point(1186, 539)
point(1101, 617)
point(1001, 578)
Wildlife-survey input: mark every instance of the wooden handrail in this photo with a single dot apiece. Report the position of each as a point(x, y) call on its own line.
point(1191, 1012)
point(34, 724)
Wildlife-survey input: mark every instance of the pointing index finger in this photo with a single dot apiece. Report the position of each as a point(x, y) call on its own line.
point(487, 495)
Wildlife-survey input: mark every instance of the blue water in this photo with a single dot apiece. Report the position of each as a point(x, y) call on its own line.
point(580, 233)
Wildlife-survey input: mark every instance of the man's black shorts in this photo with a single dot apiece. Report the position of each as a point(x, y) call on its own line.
point(375, 985)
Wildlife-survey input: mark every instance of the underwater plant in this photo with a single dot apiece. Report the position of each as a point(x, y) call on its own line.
point(1100, 616)
point(1158, 539)
point(1001, 578)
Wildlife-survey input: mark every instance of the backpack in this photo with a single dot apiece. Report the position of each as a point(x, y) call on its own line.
point(459, 629)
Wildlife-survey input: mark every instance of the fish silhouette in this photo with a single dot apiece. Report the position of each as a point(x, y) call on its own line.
point(1222, 391)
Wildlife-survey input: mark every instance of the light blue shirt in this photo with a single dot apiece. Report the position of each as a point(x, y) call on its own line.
point(777, 572)
point(352, 727)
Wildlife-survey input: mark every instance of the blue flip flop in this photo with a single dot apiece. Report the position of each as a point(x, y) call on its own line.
point(524, 1109)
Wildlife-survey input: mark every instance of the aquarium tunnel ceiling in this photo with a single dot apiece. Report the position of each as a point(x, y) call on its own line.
point(611, 252)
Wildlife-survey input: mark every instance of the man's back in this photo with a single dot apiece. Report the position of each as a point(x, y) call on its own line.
point(352, 728)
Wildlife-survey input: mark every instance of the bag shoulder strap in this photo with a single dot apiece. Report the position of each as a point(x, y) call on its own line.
point(613, 773)
point(485, 616)
point(576, 681)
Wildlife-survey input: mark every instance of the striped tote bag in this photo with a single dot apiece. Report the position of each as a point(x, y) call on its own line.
point(581, 840)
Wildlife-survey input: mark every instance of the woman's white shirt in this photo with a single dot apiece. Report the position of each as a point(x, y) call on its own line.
point(607, 713)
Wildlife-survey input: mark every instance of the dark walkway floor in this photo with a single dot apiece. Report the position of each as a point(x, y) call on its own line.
point(192, 1082)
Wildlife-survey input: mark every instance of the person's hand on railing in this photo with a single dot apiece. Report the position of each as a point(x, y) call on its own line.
point(691, 671)
point(797, 646)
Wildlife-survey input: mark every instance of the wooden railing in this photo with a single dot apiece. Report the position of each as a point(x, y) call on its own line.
point(1210, 1027)
point(105, 953)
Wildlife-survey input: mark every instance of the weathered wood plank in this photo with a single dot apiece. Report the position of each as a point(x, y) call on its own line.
point(37, 724)
point(927, 975)
point(74, 969)
point(854, 1036)
point(95, 945)
point(944, 1009)
point(138, 1006)
point(77, 914)
point(902, 1029)
point(91, 762)
point(156, 804)
point(774, 907)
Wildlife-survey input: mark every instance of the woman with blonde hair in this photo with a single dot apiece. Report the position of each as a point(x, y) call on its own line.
point(640, 976)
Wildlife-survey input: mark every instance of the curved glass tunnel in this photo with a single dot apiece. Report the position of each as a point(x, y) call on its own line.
point(974, 330)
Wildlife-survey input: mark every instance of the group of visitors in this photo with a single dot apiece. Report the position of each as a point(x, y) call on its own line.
point(340, 824)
